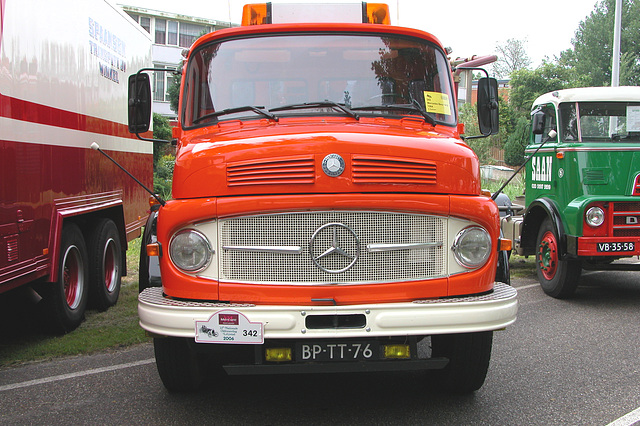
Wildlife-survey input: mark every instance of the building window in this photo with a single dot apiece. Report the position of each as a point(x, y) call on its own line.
point(161, 29)
point(145, 22)
point(189, 33)
point(172, 36)
point(159, 84)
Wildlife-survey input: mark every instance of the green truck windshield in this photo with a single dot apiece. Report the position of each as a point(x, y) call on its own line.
point(370, 74)
point(600, 121)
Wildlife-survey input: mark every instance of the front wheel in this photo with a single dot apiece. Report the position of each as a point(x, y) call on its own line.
point(558, 278)
point(178, 364)
point(469, 355)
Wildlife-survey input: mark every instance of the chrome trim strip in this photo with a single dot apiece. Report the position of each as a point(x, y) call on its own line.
point(377, 248)
point(266, 249)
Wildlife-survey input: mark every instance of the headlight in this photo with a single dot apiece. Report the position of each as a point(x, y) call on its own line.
point(594, 216)
point(190, 250)
point(472, 247)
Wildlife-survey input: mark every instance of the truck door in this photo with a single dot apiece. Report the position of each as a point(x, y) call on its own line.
point(540, 170)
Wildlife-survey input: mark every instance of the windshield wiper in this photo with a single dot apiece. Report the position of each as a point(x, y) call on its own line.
point(319, 104)
point(257, 109)
point(411, 107)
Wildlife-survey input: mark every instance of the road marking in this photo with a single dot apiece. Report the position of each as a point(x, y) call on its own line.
point(76, 374)
point(629, 419)
point(524, 287)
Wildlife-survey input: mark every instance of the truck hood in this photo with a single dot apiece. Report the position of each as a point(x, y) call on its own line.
point(296, 158)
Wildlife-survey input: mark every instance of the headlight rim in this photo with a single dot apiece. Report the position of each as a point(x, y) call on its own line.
point(456, 245)
point(587, 216)
point(208, 247)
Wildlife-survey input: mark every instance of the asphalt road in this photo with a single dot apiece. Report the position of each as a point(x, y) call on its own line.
point(574, 362)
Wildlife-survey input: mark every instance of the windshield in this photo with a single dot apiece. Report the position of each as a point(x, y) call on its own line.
point(368, 73)
point(600, 121)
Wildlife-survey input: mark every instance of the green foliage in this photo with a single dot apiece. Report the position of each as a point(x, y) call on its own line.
point(482, 146)
point(513, 190)
point(161, 127)
point(173, 90)
point(162, 177)
point(517, 142)
point(527, 85)
point(161, 130)
point(593, 45)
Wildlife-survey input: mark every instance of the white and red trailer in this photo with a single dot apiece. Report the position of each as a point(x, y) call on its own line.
point(66, 211)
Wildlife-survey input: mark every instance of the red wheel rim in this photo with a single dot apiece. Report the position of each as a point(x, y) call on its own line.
point(110, 266)
point(548, 255)
point(72, 277)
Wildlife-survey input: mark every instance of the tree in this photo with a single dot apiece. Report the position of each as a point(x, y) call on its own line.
point(527, 85)
point(517, 142)
point(591, 56)
point(161, 130)
point(173, 89)
point(512, 56)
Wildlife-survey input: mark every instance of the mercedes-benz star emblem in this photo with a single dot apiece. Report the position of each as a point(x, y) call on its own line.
point(334, 248)
point(333, 165)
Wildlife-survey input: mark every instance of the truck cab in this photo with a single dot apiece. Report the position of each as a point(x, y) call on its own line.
point(582, 185)
point(326, 214)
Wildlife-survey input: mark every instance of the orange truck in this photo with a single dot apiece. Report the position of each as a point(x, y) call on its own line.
point(326, 215)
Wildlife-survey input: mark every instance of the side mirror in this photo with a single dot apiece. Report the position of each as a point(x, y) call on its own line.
point(139, 103)
point(537, 123)
point(488, 106)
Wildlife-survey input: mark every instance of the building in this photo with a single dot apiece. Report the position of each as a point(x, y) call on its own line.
point(171, 34)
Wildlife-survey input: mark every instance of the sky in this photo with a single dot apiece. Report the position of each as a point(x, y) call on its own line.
point(469, 27)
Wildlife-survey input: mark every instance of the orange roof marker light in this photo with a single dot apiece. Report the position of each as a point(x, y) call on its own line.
point(283, 13)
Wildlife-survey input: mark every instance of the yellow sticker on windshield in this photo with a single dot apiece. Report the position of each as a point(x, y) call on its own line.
point(437, 103)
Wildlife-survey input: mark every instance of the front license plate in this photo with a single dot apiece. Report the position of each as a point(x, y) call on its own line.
point(615, 247)
point(337, 351)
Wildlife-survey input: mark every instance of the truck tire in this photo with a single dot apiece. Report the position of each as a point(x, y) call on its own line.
point(558, 278)
point(469, 355)
point(66, 299)
point(105, 265)
point(178, 365)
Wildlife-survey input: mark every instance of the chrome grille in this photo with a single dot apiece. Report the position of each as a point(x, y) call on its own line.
point(275, 249)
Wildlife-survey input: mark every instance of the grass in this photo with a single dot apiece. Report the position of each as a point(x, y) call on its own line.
point(522, 267)
point(513, 190)
point(22, 340)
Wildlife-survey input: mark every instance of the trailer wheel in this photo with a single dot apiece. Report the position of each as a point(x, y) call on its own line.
point(558, 278)
point(66, 299)
point(469, 355)
point(105, 265)
point(178, 365)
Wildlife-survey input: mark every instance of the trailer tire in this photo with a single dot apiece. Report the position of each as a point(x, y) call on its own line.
point(66, 299)
point(178, 364)
point(558, 278)
point(105, 265)
point(469, 355)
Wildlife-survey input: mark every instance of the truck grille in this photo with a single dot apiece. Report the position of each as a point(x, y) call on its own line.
point(626, 219)
point(348, 247)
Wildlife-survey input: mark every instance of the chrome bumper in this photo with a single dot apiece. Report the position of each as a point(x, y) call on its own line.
point(166, 317)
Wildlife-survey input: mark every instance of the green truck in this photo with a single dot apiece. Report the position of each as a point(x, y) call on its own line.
point(582, 198)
